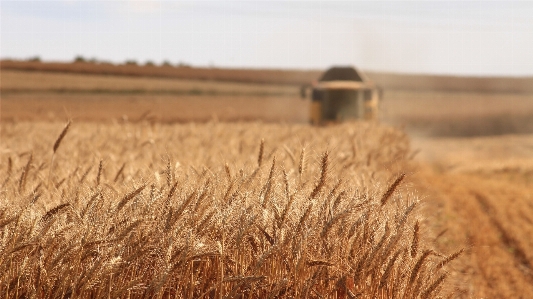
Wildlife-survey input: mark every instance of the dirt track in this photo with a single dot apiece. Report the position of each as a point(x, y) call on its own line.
point(485, 206)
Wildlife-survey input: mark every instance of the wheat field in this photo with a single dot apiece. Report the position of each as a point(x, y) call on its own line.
point(151, 192)
point(213, 210)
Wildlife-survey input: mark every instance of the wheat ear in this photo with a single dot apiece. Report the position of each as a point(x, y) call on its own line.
point(392, 188)
point(54, 211)
point(301, 165)
point(99, 175)
point(416, 239)
point(61, 136)
point(449, 259)
point(323, 173)
point(129, 196)
point(56, 146)
point(388, 269)
point(24, 175)
point(416, 269)
point(261, 150)
point(119, 172)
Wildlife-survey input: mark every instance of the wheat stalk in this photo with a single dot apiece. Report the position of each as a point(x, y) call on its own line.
point(9, 170)
point(415, 271)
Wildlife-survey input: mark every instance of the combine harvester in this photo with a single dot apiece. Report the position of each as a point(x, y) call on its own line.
point(342, 93)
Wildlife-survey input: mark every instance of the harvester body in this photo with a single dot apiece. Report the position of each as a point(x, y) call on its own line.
point(343, 93)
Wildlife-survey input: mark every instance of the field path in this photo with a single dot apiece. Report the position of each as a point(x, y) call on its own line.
point(484, 206)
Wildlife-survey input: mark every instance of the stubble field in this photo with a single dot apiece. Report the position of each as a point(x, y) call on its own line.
point(170, 207)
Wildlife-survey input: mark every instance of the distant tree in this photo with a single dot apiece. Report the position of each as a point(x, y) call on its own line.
point(149, 63)
point(79, 58)
point(34, 59)
point(131, 62)
point(166, 63)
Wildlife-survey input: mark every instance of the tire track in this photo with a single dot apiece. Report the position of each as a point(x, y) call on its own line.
point(517, 252)
point(484, 215)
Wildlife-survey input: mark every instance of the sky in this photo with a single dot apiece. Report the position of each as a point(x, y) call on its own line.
point(470, 38)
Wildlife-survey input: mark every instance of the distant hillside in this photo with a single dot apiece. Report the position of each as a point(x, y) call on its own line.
point(273, 76)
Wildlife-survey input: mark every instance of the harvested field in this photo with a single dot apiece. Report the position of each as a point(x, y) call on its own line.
point(163, 108)
point(480, 198)
point(17, 82)
point(55, 96)
point(420, 113)
point(432, 113)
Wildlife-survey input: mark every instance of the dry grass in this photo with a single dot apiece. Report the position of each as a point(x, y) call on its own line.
point(210, 210)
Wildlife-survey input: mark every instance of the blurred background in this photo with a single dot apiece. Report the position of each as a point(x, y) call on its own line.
point(446, 68)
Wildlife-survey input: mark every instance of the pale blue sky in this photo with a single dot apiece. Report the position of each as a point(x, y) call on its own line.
point(446, 37)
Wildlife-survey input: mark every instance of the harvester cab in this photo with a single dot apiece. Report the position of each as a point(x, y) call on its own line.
point(342, 93)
